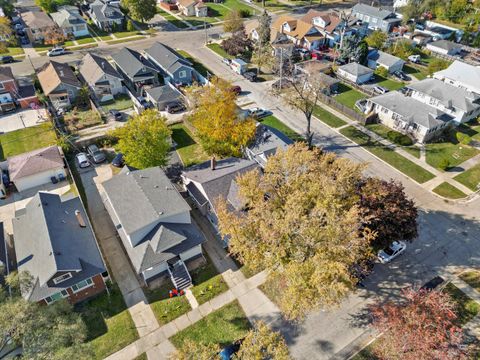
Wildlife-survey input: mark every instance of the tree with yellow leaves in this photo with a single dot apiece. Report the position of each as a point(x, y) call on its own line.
point(216, 117)
point(302, 225)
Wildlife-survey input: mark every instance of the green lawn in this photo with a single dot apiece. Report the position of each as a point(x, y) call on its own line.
point(273, 122)
point(217, 10)
point(69, 43)
point(327, 117)
point(141, 357)
point(196, 64)
point(395, 137)
point(124, 34)
point(208, 283)
point(119, 41)
point(28, 139)
point(348, 96)
point(365, 354)
point(467, 308)
point(470, 178)
point(189, 151)
point(274, 5)
point(454, 153)
point(165, 308)
point(87, 46)
point(471, 129)
point(199, 21)
point(449, 191)
point(238, 5)
point(172, 19)
point(121, 102)
point(109, 324)
point(219, 50)
point(13, 49)
point(388, 83)
point(223, 327)
point(398, 161)
point(417, 72)
point(85, 40)
point(472, 278)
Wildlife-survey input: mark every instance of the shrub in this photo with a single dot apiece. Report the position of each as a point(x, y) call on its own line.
point(463, 138)
point(381, 71)
point(130, 26)
point(444, 164)
point(244, 13)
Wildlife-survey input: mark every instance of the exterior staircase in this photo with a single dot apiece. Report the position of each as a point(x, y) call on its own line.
point(180, 276)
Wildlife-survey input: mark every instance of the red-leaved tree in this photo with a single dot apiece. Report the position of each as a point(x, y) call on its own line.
point(423, 326)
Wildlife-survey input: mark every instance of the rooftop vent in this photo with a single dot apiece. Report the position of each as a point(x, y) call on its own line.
point(80, 219)
point(213, 163)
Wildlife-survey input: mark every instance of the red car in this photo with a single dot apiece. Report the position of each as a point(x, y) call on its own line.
point(236, 89)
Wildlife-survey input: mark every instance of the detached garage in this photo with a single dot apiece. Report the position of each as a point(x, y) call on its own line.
point(36, 168)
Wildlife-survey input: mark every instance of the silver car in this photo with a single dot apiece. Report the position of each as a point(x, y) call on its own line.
point(97, 155)
point(82, 160)
point(396, 249)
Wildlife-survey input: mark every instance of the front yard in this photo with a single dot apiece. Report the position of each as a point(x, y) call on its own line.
point(171, 19)
point(222, 326)
point(207, 282)
point(188, 149)
point(219, 50)
point(470, 178)
point(28, 139)
point(109, 324)
point(165, 308)
point(275, 123)
point(467, 308)
point(327, 117)
point(472, 278)
point(449, 191)
point(395, 137)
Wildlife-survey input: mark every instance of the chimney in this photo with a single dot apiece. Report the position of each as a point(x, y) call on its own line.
point(80, 220)
point(213, 163)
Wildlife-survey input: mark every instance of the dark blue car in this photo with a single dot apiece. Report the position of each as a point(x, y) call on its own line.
point(228, 352)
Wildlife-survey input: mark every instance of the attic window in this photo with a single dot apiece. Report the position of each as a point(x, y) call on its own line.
point(62, 278)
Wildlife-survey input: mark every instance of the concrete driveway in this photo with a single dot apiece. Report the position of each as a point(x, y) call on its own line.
point(22, 119)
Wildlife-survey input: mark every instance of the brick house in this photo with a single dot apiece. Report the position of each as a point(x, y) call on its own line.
point(55, 244)
point(12, 92)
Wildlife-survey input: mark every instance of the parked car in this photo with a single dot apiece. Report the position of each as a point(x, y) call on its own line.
point(396, 249)
point(82, 160)
point(24, 40)
point(432, 284)
point(18, 26)
point(236, 89)
point(258, 113)
point(174, 107)
point(6, 59)
point(380, 90)
point(20, 32)
point(361, 105)
point(118, 160)
point(250, 76)
point(228, 352)
point(415, 59)
point(115, 115)
point(400, 75)
point(226, 61)
point(97, 155)
point(56, 51)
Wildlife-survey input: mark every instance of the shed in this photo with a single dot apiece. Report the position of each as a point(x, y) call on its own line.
point(160, 96)
point(355, 72)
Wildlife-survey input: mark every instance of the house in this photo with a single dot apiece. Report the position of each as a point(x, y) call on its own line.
point(137, 71)
point(68, 18)
point(390, 62)
point(376, 18)
point(212, 180)
point(192, 8)
point(15, 92)
point(36, 168)
point(266, 143)
point(174, 67)
point(328, 24)
point(355, 72)
point(153, 221)
point(445, 47)
point(106, 15)
point(461, 75)
point(59, 83)
point(251, 29)
point(319, 70)
point(101, 77)
point(299, 32)
point(55, 244)
point(160, 96)
point(461, 104)
point(407, 115)
point(37, 24)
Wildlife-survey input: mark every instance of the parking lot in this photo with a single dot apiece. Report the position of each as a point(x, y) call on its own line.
point(22, 119)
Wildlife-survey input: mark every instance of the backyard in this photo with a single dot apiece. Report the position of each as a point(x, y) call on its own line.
point(28, 139)
point(165, 308)
point(109, 324)
point(388, 83)
point(120, 102)
point(188, 149)
point(222, 326)
point(348, 96)
point(273, 122)
point(76, 120)
point(208, 283)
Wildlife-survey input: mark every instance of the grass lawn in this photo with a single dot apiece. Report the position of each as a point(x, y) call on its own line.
point(219, 50)
point(471, 129)
point(109, 324)
point(455, 153)
point(172, 19)
point(121, 102)
point(274, 5)
point(417, 72)
point(13, 50)
point(399, 162)
point(365, 354)
point(273, 122)
point(196, 64)
point(119, 41)
point(467, 308)
point(77, 120)
point(208, 283)
point(85, 40)
point(28, 139)
point(470, 178)
point(69, 43)
point(395, 137)
point(165, 308)
point(124, 34)
point(388, 83)
point(327, 117)
point(238, 5)
point(348, 96)
point(449, 191)
point(217, 10)
point(223, 327)
point(141, 357)
point(472, 278)
point(187, 148)
point(198, 21)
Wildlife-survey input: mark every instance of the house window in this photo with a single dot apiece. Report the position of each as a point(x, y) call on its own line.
point(1, 86)
point(82, 285)
point(182, 74)
point(61, 278)
point(57, 296)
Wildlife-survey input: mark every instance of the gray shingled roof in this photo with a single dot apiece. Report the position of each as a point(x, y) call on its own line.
point(132, 62)
point(168, 59)
point(49, 239)
point(383, 58)
point(99, 9)
point(165, 93)
point(94, 67)
point(67, 16)
point(356, 69)
point(411, 110)
point(267, 141)
point(447, 94)
point(35, 162)
point(372, 11)
point(465, 74)
point(445, 45)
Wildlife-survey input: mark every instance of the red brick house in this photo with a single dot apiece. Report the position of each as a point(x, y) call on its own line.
point(55, 244)
point(14, 92)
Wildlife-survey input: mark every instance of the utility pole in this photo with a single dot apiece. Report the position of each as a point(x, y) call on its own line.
point(281, 67)
point(206, 33)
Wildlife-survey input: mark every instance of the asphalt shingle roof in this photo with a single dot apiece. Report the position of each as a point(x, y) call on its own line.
point(94, 67)
point(371, 11)
point(356, 69)
point(169, 60)
point(35, 162)
point(52, 74)
point(383, 58)
point(465, 74)
point(164, 93)
point(104, 12)
point(132, 62)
